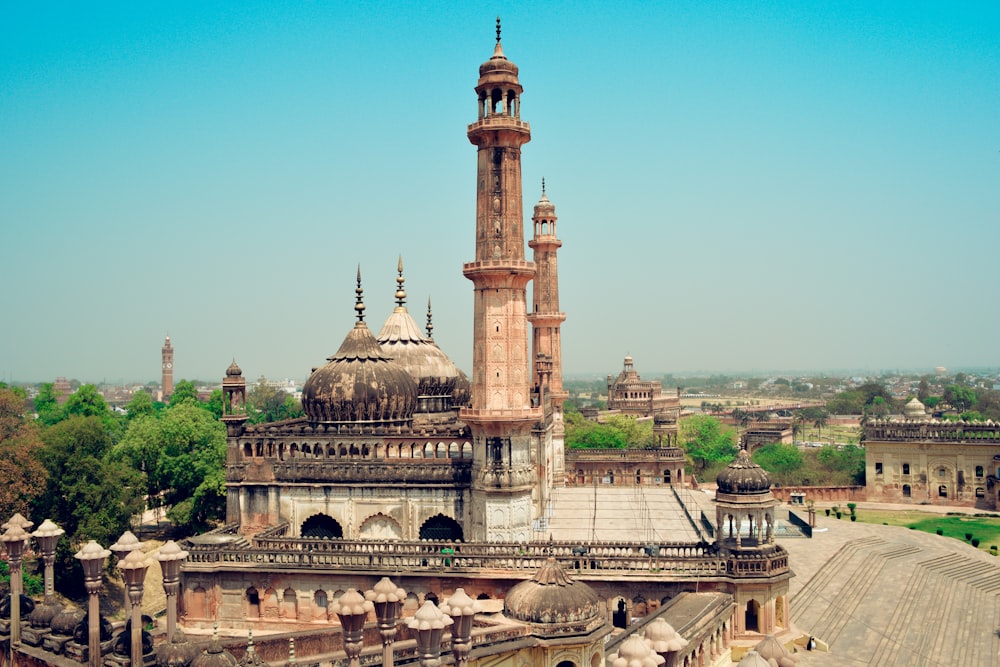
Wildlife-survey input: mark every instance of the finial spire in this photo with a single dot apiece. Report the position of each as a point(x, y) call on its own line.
point(543, 186)
point(498, 30)
point(430, 325)
point(400, 292)
point(359, 306)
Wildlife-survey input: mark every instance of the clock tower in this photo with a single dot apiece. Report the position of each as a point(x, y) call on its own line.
point(167, 381)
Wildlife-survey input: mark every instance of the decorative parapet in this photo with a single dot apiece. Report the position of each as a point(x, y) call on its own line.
point(598, 560)
point(933, 430)
point(624, 455)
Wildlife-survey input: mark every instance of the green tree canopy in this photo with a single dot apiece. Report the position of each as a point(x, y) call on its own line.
point(182, 453)
point(47, 404)
point(707, 442)
point(141, 405)
point(266, 403)
point(778, 458)
point(184, 391)
point(959, 397)
point(89, 496)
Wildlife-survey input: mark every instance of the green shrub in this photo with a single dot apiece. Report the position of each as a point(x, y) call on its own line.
point(854, 517)
point(839, 514)
point(975, 542)
point(939, 531)
point(828, 511)
point(968, 536)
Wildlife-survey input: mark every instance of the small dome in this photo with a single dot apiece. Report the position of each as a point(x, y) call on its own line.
point(233, 370)
point(214, 656)
point(544, 207)
point(914, 409)
point(178, 652)
point(552, 598)
point(65, 621)
point(743, 477)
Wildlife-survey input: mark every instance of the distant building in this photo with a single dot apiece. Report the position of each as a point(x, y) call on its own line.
point(921, 460)
point(62, 389)
point(628, 394)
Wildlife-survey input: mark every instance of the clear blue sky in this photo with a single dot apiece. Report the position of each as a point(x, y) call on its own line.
point(740, 185)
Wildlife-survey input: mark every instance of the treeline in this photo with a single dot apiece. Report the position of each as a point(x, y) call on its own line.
point(709, 446)
point(958, 399)
point(93, 471)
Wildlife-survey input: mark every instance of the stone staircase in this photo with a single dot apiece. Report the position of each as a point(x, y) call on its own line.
point(920, 600)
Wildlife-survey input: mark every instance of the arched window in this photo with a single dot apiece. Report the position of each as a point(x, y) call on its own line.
point(943, 491)
point(253, 603)
point(906, 490)
point(979, 471)
point(441, 528)
point(321, 526)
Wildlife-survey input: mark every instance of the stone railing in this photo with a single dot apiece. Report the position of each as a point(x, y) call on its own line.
point(589, 561)
point(623, 455)
point(987, 432)
point(390, 471)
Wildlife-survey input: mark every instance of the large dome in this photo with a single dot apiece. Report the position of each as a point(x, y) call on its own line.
point(360, 383)
point(551, 598)
point(743, 477)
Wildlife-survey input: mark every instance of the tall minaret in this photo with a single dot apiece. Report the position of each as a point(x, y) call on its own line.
point(501, 416)
point(167, 381)
point(546, 354)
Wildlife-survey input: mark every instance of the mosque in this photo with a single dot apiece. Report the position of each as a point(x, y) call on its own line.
point(405, 467)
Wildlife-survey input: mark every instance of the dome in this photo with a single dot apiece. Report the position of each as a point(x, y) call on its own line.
point(498, 69)
point(914, 409)
point(544, 207)
point(743, 477)
point(435, 375)
point(753, 659)
point(178, 652)
point(552, 598)
point(360, 383)
point(233, 370)
point(214, 656)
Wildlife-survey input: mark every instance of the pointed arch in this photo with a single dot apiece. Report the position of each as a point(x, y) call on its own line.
point(442, 528)
point(321, 526)
point(380, 527)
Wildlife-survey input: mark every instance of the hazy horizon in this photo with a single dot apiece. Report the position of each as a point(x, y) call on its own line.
point(774, 185)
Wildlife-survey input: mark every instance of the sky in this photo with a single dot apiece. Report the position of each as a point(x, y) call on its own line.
point(740, 186)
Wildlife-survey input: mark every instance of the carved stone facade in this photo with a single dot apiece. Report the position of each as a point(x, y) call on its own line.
point(931, 461)
point(629, 394)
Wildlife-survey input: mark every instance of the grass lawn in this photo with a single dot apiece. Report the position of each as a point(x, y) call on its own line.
point(985, 529)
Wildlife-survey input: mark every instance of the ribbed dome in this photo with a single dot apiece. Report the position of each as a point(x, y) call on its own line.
point(552, 598)
point(544, 207)
point(743, 477)
point(214, 656)
point(914, 409)
point(233, 370)
point(435, 375)
point(360, 384)
point(498, 64)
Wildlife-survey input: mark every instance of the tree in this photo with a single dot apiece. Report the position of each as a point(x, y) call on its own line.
point(959, 397)
point(184, 391)
point(47, 404)
point(182, 453)
point(215, 404)
point(923, 390)
point(266, 403)
point(706, 441)
point(778, 458)
point(90, 497)
point(141, 405)
point(22, 476)
point(988, 403)
point(637, 433)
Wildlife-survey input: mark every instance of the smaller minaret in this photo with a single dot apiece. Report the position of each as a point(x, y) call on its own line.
point(234, 399)
point(545, 317)
point(167, 381)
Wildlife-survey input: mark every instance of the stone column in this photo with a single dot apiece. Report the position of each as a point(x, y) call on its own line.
point(170, 557)
point(92, 556)
point(134, 569)
point(14, 539)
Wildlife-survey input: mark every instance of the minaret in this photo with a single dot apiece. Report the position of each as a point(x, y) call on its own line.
point(546, 354)
point(167, 381)
point(501, 415)
point(545, 317)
